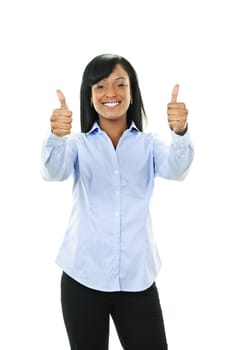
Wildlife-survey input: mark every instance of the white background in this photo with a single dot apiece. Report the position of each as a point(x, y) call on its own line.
point(45, 45)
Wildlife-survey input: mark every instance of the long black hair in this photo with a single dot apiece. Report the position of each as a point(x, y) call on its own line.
point(97, 69)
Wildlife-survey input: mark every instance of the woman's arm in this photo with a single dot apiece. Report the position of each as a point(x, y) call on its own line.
point(173, 161)
point(59, 157)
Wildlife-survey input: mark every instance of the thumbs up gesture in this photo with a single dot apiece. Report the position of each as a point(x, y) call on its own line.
point(61, 119)
point(177, 113)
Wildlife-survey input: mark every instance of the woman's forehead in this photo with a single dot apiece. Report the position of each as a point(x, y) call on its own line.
point(118, 73)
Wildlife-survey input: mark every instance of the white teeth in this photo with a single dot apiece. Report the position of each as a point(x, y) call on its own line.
point(111, 104)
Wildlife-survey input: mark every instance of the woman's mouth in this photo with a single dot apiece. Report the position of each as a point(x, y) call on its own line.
point(111, 104)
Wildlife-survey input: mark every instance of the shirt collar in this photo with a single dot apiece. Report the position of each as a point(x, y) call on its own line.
point(96, 127)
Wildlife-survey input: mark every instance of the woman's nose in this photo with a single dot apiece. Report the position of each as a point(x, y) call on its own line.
point(110, 92)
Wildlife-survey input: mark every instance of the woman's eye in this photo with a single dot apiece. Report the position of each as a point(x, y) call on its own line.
point(100, 87)
point(121, 84)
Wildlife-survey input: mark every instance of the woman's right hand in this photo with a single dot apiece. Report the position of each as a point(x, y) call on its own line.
point(61, 119)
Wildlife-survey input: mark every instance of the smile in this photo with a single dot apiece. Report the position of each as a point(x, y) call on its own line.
point(111, 104)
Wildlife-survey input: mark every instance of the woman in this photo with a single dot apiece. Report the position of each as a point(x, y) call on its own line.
point(108, 255)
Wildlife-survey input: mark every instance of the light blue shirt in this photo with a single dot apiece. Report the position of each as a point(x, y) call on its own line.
point(109, 244)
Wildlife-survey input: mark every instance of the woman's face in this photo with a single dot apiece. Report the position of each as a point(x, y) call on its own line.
point(112, 95)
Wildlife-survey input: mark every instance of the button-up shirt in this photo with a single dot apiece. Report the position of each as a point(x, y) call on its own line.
point(109, 244)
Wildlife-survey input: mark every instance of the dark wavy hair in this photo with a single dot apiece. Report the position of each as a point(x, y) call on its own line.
point(97, 69)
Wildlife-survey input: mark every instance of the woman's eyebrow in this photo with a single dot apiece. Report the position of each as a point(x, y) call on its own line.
point(121, 78)
point(118, 78)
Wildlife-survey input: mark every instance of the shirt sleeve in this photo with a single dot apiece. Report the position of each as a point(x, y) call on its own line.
point(58, 157)
point(172, 161)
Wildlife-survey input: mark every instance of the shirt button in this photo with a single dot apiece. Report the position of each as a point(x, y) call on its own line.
point(116, 172)
point(117, 193)
point(117, 213)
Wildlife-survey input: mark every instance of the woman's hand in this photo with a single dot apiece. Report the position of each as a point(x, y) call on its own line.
point(61, 119)
point(177, 113)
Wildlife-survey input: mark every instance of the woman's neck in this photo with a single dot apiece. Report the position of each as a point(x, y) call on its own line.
point(113, 128)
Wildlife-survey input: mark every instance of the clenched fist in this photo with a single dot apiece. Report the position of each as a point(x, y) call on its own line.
point(177, 113)
point(61, 119)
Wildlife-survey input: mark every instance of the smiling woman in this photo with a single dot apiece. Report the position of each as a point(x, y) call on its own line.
point(108, 256)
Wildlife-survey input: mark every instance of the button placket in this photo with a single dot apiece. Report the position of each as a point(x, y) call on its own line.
point(117, 204)
point(116, 215)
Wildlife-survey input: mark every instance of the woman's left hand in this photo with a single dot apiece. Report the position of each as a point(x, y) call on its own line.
point(177, 113)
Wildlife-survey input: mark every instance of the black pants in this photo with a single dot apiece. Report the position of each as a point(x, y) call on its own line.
point(137, 317)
